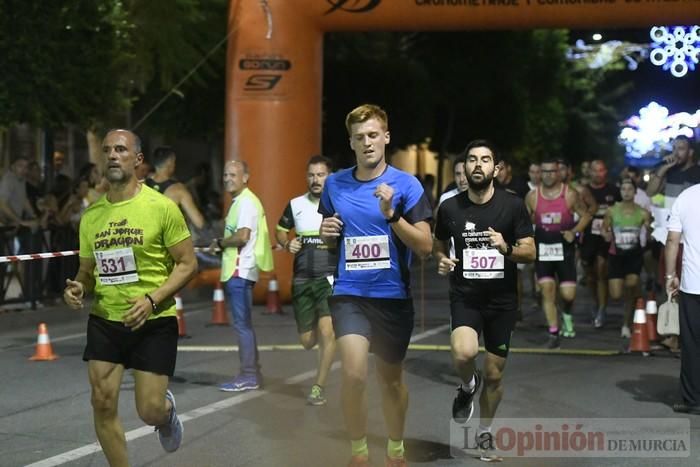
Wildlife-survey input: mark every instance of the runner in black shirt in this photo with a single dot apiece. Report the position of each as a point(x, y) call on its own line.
point(594, 248)
point(491, 231)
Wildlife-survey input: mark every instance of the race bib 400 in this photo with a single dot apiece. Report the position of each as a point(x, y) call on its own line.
point(483, 264)
point(116, 266)
point(370, 252)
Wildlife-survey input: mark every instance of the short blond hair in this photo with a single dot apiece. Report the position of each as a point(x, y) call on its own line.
point(366, 112)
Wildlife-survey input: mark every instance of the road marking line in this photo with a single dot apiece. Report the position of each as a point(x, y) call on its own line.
point(92, 448)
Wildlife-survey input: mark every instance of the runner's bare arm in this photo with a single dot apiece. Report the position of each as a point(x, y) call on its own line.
point(579, 207)
point(588, 200)
point(185, 268)
point(293, 246)
point(83, 284)
point(330, 230)
point(445, 263)
point(188, 205)
point(530, 199)
point(607, 226)
point(415, 236)
point(523, 250)
point(647, 220)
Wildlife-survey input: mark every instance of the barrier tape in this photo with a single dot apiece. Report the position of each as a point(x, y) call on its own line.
point(59, 254)
point(31, 256)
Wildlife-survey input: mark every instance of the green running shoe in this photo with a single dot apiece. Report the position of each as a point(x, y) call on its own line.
point(567, 326)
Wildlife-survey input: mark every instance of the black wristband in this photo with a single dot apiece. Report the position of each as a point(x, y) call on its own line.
point(509, 250)
point(218, 243)
point(153, 303)
point(394, 217)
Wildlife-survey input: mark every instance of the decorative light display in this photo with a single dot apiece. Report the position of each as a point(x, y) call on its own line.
point(675, 48)
point(647, 135)
point(600, 55)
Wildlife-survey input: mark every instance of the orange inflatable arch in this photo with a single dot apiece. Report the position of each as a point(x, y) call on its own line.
point(274, 67)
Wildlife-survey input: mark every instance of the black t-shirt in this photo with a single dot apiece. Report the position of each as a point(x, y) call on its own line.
point(606, 196)
point(517, 186)
point(481, 268)
point(678, 180)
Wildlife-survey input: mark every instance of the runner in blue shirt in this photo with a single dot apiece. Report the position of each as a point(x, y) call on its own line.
point(377, 216)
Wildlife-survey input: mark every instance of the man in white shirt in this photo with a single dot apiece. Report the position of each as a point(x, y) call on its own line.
point(684, 225)
point(246, 250)
point(460, 179)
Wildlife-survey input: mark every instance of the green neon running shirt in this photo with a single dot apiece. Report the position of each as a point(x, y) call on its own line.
point(129, 241)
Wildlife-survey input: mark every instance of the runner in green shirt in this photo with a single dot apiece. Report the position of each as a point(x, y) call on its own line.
point(135, 253)
point(622, 227)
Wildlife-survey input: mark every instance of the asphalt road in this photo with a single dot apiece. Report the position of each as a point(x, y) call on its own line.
point(46, 418)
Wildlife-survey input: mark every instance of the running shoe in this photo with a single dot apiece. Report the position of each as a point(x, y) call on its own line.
point(484, 442)
point(241, 383)
point(170, 433)
point(359, 461)
point(553, 341)
point(625, 332)
point(599, 320)
point(395, 462)
point(567, 326)
point(317, 396)
point(463, 405)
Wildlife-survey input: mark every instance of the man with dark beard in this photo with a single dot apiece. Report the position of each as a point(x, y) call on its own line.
point(491, 231)
point(314, 265)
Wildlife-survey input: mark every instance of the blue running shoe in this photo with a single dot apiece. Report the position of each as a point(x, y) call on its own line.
point(170, 433)
point(241, 383)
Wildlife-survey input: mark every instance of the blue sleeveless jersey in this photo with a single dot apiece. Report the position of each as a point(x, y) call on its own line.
point(372, 260)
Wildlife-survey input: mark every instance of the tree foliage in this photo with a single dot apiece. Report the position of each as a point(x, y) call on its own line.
point(514, 87)
point(88, 62)
point(59, 61)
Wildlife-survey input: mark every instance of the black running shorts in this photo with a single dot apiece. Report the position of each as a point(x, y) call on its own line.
point(386, 323)
point(563, 271)
point(593, 246)
point(152, 347)
point(486, 316)
point(620, 266)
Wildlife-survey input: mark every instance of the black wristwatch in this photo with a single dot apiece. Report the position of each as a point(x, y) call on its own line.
point(394, 217)
point(509, 250)
point(154, 306)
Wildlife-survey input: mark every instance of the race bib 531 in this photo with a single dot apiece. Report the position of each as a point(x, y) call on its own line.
point(116, 266)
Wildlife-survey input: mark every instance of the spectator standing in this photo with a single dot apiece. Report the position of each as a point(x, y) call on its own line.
point(684, 225)
point(245, 250)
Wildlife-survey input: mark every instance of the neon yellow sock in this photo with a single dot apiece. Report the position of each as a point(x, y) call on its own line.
point(394, 449)
point(359, 447)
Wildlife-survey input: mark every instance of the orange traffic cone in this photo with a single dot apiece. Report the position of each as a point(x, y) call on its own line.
point(651, 312)
point(273, 297)
point(640, 334)
point(43, 350)
point(181, 325)
point(219, 317)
